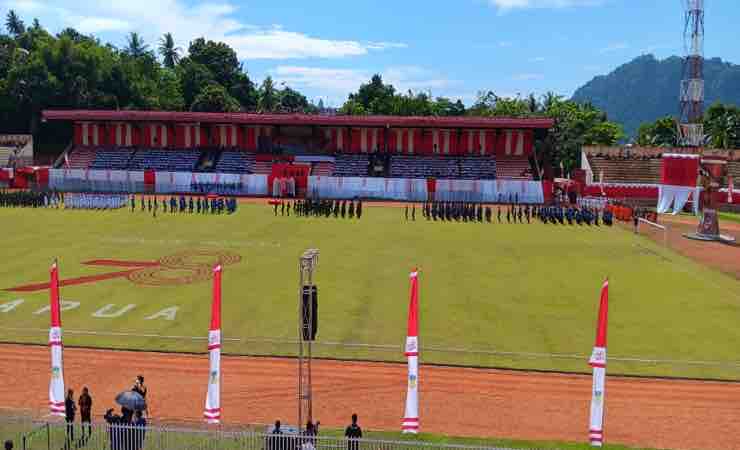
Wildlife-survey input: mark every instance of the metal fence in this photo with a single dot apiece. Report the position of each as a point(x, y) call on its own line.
point(59, 436)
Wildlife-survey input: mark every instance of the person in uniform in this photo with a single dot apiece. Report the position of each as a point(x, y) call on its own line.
point(133, 202)
point(413, 212)
point(498, 213)
point(344, 209)
point(351, 209)
point(359, 209)
point(488, 214)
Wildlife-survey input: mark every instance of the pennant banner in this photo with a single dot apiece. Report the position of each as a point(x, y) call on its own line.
point(56, 384)
point(598, 363)
point(410, 422)
point(212, 411)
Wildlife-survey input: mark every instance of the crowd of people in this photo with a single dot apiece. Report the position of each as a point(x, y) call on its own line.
point(126, 430)
point(277, 439)
point(184, 205)
point(318, 208)
point(29, 199)
point(471, 212)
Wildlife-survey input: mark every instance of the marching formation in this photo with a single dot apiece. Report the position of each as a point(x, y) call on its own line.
point(183, 205)
point(511, 213)
point(29, 199)
point(319, 208)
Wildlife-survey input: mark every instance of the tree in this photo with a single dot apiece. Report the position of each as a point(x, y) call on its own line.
point(169, 52)
point(219, 58)
point(14, 24)
point(193, 78)
point(135, 46)
point(170, 91)
point(268, 97)
point(244, 91)
point(352, 108)
point(722, 126)
point(293, 101)
point(214, 98)
point(661, 133)
point(375, 96)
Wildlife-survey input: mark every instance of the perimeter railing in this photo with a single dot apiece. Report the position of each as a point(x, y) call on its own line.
point(58, 436)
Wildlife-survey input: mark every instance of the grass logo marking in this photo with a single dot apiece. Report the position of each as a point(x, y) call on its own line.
point(190, 266)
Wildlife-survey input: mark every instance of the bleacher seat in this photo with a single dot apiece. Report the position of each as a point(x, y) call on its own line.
point(235, 162)
point(112, 159)
point(166, 160)
point(322, 169)
point(443, 167)
point(351, 165)
point(513, 168)
point(81, 158)
point(626, 170)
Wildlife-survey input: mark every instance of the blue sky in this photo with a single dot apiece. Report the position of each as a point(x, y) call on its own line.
point(326, 48)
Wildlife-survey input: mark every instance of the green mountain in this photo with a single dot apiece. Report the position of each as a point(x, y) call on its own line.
point(647, 88)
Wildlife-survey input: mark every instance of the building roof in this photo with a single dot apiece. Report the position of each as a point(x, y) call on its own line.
point(298, 119)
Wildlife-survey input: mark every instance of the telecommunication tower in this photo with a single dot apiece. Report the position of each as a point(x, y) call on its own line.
point(691, 129)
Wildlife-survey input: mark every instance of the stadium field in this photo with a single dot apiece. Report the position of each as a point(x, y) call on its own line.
point(518, 296)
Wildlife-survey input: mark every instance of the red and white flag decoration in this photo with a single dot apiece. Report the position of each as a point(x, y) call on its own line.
point(56, 385)
point(730, 187)
point(598, 363)
point(410, 422)
point(212, 411)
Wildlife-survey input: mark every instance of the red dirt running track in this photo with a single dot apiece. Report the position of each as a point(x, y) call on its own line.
point(465, 402)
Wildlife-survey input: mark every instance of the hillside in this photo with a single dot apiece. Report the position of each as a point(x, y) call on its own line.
point(647, 88)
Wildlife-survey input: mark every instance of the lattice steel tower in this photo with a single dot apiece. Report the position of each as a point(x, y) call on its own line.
point(691, 130)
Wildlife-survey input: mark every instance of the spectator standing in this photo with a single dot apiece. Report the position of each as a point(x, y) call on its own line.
point(353, 433)
point(69, 415)
point(141, 388)
point(8, 445)
point(139, 430)
point(85, 402)
point(275, 439)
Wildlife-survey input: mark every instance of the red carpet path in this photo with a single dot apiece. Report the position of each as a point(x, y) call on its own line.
point(468, 402)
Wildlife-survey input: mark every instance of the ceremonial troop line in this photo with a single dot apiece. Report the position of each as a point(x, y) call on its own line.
point(185, 205)
point(319, 208)
point(513, 213)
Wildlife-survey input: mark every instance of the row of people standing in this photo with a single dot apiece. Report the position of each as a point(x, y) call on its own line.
point(183, 205)
point(30, 199)
point(470, 212)
point(319, 208)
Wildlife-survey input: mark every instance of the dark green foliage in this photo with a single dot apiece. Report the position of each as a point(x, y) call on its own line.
point(646, 89)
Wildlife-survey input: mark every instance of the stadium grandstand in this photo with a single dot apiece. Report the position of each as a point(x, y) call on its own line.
point(409, 147)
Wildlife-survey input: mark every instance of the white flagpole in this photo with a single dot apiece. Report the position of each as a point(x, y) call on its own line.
point(410, 422)
point(56, 384)
point(598, 363)
point(212, 411)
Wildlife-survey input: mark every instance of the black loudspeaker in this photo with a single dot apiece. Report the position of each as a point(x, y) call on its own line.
point(310, 312)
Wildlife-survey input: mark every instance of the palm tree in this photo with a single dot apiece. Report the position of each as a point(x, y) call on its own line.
point(135, 45)
point(170, 53)
point(268, 96)
point(14, 24)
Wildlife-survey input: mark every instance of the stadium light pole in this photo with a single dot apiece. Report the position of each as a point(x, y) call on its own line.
point(306, 266)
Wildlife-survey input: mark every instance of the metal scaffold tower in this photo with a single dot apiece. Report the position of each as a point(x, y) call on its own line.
point(691, 129)
point(306, 323)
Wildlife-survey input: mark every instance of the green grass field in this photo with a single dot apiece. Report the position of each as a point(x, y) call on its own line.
point(519, 296)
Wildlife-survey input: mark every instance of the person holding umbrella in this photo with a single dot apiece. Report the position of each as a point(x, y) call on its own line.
point(140, 388)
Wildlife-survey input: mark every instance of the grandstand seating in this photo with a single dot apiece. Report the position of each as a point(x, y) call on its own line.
point(5, 153)
point(115, 159)
point(351, 165)
point(626, 170)
point(513, 168)
point(170, 160)
point(733, 169)
point(81, 158)
point(323, 169)
point(442, 167)
point(236, 162)
point(263, 167)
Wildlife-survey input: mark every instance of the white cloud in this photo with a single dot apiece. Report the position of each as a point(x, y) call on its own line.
point(98, 24)
point(334, 85)
point(213, 19)
point(537, 59)
point(615, 47)
point(528, 76)
point(507, 5)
